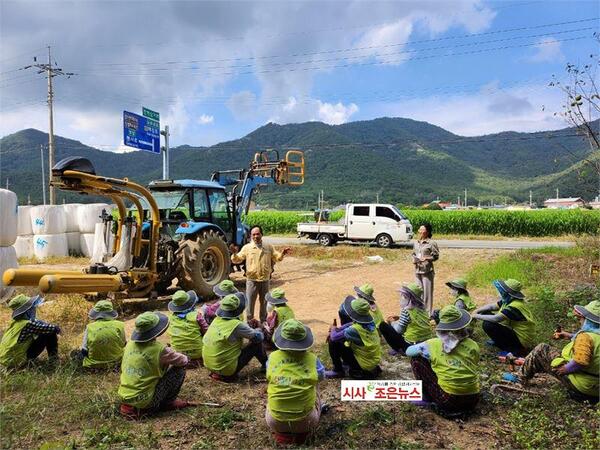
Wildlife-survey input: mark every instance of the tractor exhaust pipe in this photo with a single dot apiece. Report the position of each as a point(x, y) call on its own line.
point(78, 283)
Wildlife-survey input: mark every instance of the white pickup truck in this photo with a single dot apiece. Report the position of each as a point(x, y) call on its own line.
point(383, 224)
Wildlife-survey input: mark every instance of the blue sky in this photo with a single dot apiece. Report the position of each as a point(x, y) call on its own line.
point(218, 70)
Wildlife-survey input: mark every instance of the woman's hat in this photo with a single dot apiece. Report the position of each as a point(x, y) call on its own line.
point(182, 301)
point(21, 304)
point(103, 309)
point(453, 318)
point(358, 310)
point(232, 306)
point(512, 288)
point(365, 291)
point(591, 311)
point(276, 297)
point(293, 335)
point(413, 291)
point(224, 288)
point(149, 325)
point(458, 283)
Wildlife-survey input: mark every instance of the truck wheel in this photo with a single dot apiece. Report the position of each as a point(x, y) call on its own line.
point(325, 240)
point(384, 240)
point(203, 263)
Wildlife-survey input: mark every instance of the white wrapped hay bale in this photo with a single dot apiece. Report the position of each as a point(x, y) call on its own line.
point(86, 244)
point(24, 246)
point(100, 248)
point(24, 221)
point(48, 219)
point(8, 260)
point(46, 245)
point(8, 218)
point(70, 210)
point(89, 215)
point(74, 242)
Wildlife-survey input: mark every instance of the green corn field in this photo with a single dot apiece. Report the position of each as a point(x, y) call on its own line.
point(545, 222)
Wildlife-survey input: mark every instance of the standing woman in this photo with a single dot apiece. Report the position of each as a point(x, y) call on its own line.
point(425, 251)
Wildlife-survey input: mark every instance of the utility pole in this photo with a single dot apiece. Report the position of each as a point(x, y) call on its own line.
point(530, 199)
point(165, 153)
point(50, 72)
point(43, 177)
point(377, 198)
point(466, 204)
point(556, 193)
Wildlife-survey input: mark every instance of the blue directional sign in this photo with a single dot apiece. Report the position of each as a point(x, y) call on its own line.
point(141, 132)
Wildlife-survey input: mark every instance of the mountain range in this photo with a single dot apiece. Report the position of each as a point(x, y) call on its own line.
point(401, 161)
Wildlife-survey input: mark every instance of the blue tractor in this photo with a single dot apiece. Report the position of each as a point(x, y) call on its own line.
point(205, 217)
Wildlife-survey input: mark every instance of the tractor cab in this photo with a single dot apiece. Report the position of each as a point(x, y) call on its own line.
point(181, 201)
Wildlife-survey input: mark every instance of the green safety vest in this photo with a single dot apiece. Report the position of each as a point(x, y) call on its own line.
point(140, 372)
point(418, 330)
point(525, 330)
point(185, 335)
point(284, 312)
point(220, 355)
point(469, 303)
point(292, 378)
point(105, 342)
point(586, 381)
point(376, 315)
point(368, 355)
point(12, 353)
point(457, 371)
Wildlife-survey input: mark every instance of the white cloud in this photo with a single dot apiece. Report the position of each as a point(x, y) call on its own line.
point(336, 114)
point(387, 35)
point(547, 50)
point(493, 110)
point(205, 119)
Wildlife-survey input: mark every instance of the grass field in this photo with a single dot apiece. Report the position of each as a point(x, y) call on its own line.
point(66, 408)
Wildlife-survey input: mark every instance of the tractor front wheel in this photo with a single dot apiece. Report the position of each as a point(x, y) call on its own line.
point(203, 262)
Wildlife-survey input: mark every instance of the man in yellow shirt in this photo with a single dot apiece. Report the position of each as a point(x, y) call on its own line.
point(259, 258)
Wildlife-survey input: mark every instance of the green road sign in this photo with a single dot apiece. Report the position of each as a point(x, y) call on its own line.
point(150, 114)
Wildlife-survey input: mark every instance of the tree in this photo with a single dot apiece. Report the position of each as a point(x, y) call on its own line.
point(582, 106)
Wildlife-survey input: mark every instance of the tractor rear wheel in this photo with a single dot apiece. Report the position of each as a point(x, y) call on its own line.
point(203, 262)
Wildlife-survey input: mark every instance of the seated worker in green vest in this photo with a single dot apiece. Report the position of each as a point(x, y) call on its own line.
point(461, 299)
point(152, 373)
point(26, 337)
point(187, 326)
point(512, 327)
point(278, 312)
point(103, 339)
point(448, 364)
point(366, 292)
point(356, 344)
point(221, 290)
point(577, 367)
point(412, 325)
point(293, 406)
point(222, 349)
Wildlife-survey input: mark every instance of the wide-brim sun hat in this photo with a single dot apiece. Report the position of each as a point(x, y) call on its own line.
point(365, 291)
point(21, 303)
point(453, 319)
point(458, 284)
point(512, 288)
point(591, 311)
point(103, 309)
point(232, 306)
point(149, 325)
point(182, 301)
point(413, 291)
point(357, 309)
point(293, 335)
point(276, 297)
point(224, 288)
